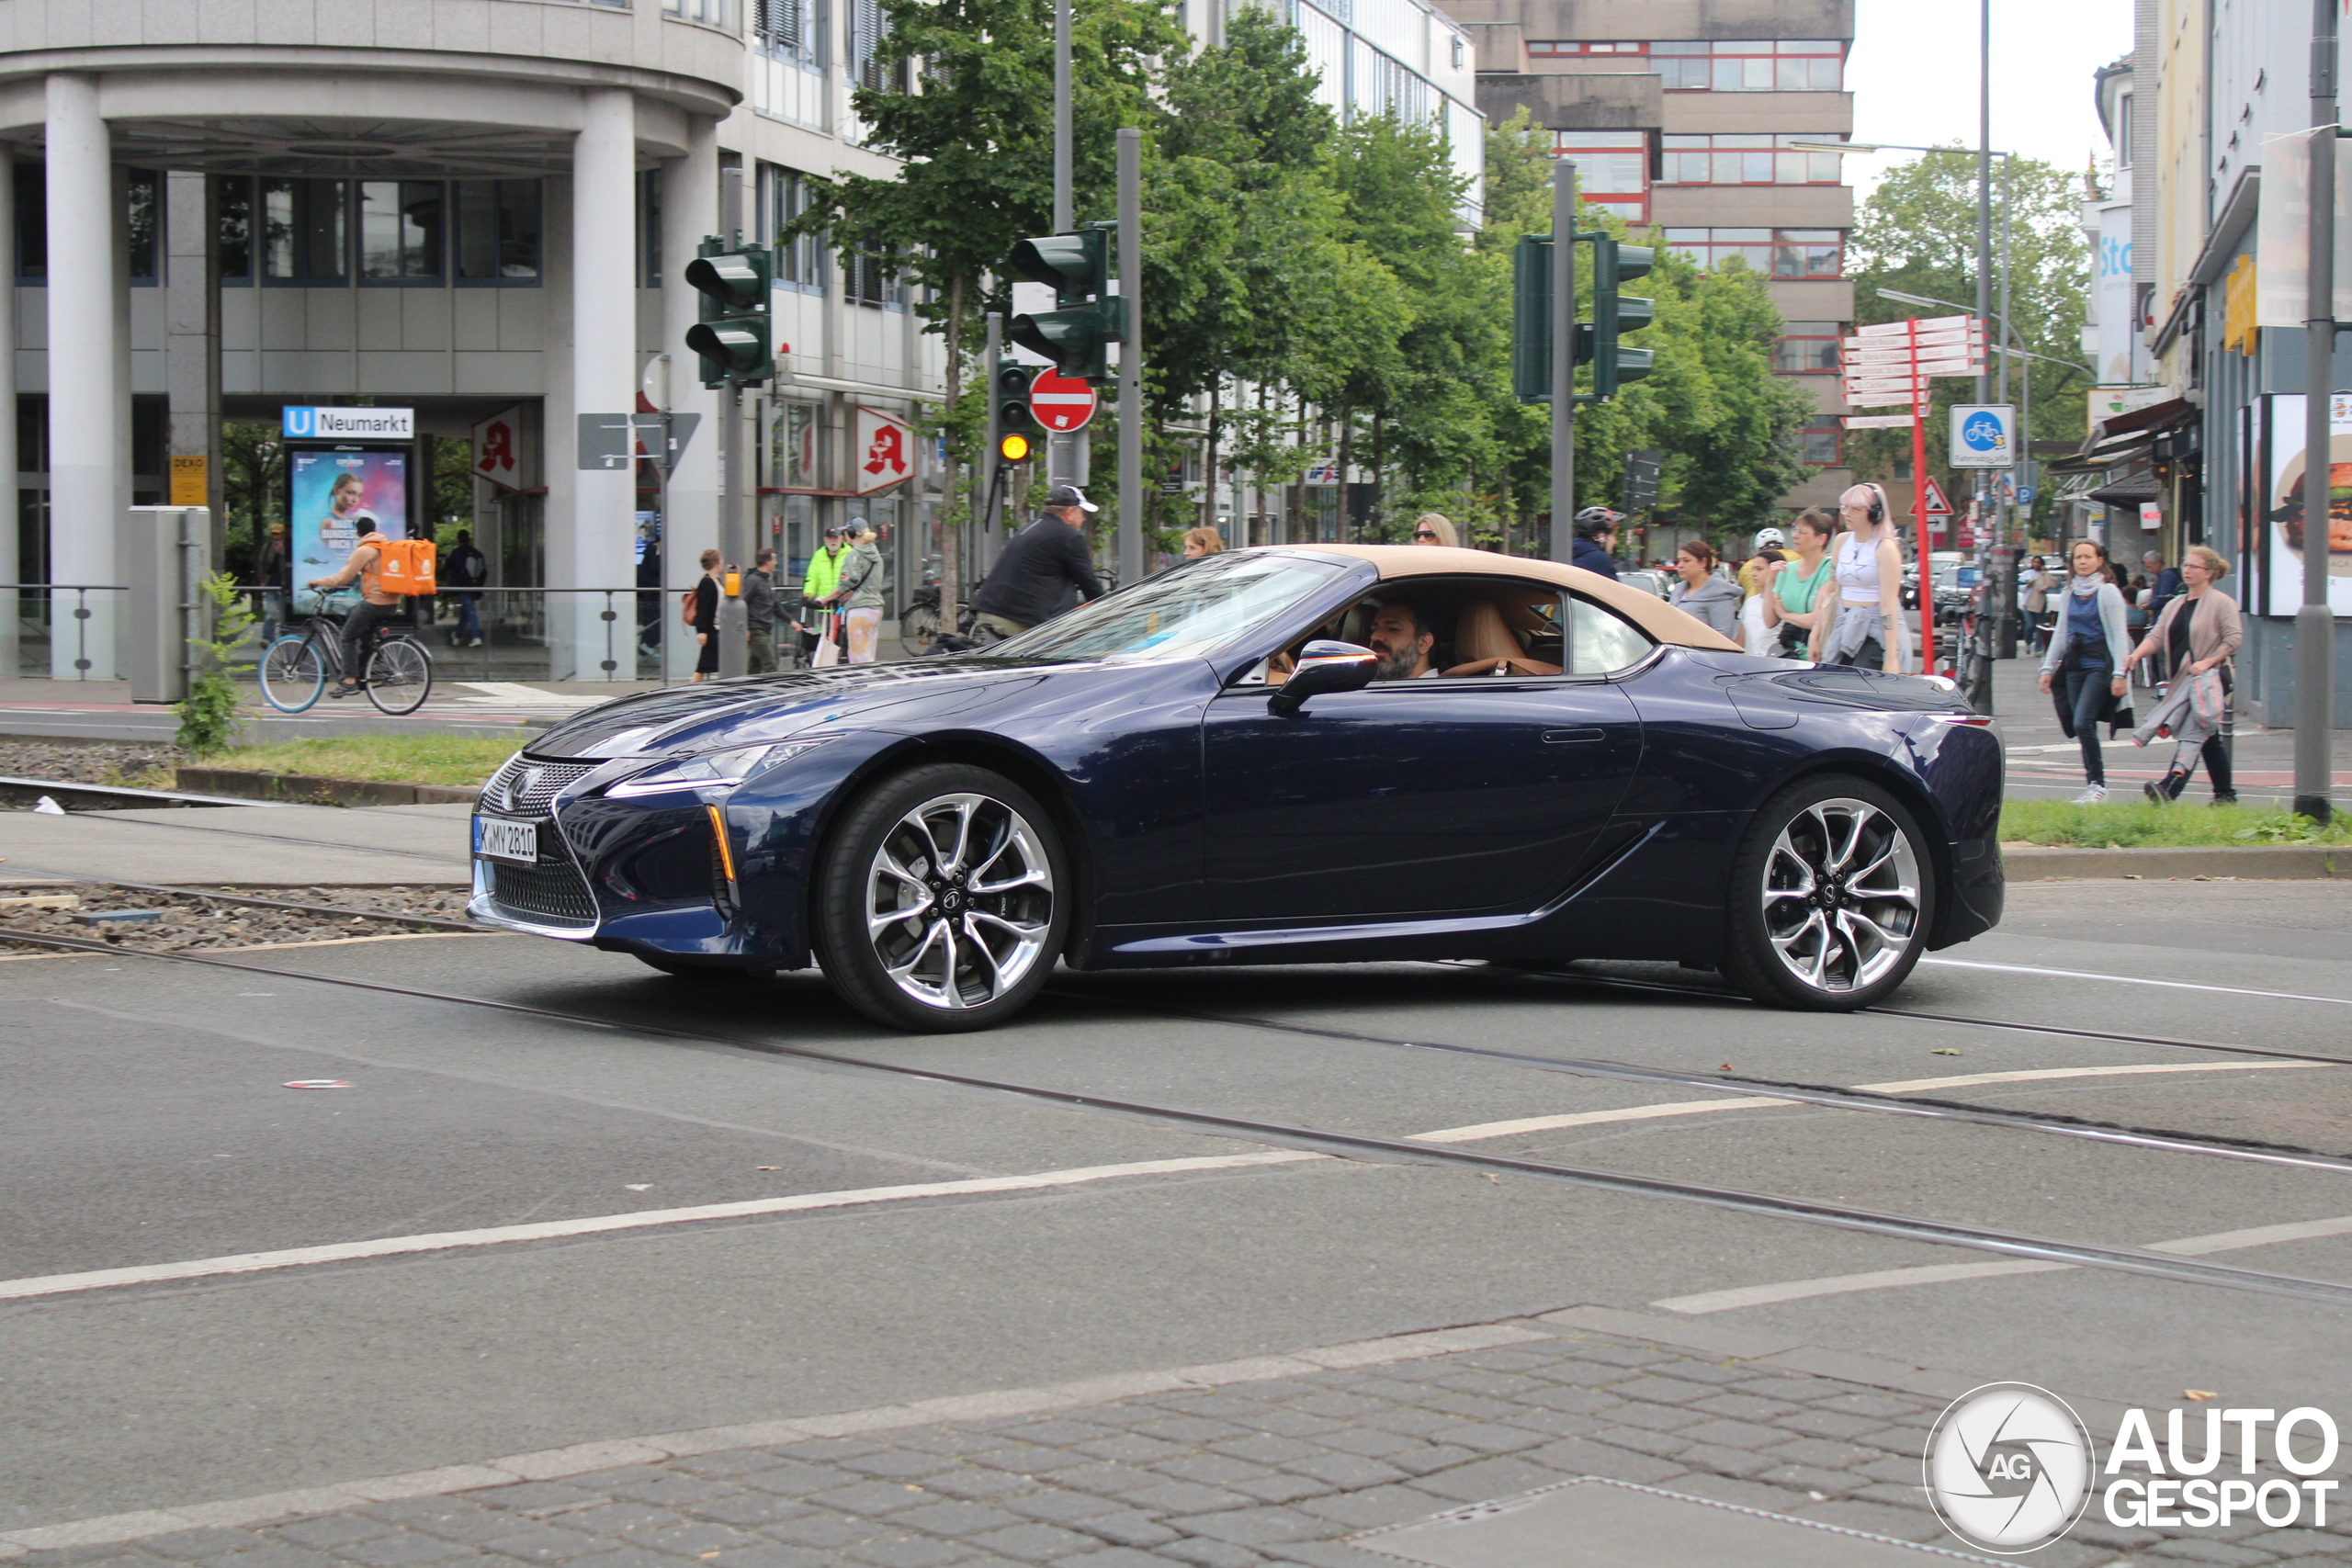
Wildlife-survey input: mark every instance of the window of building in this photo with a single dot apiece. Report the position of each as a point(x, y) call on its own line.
point(2123, 131)
point(784, 196)
point(403, 232)
point(232, 204)
point(1806, 348)
point(725, 15)
point(869, 276)
point(649, 229)
point(1753, 65)
point(143, 203)
point(498, 233)
point(1746, 160)
point(1556, 47)
point(789, 29)
point(1808, 253)
point(1612, 168)
point(1822, 442)
point(868, 26)
point(305, 231)
point(1454, 39)
point(143, 196)
point(1782, 253)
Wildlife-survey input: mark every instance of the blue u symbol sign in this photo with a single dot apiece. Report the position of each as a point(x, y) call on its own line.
point(300, 422)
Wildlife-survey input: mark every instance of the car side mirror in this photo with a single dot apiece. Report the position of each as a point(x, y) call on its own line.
point(1324, 667)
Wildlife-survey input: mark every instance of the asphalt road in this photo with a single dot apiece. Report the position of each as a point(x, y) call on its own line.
point(148, 1124)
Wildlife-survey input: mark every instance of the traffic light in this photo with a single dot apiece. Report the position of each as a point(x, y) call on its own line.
point(734, 336)
point(1530, 319)
point(1614, 314)
point(1078, 336)
point(1016, 423)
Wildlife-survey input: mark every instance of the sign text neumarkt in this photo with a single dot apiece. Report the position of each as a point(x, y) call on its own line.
point(310, 423)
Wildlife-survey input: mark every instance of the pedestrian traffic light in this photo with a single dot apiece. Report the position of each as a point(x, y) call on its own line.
point(1078, 336)
point(1614, 314)
point(733, 335)
point(1530, 319)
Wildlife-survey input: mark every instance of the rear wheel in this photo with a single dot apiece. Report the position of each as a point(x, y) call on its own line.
point(942, 902)
point(1832, 896)
point(400, 675)
point(293, 674)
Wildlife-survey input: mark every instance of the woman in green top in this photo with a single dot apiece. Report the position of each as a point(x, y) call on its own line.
point(1795, 586)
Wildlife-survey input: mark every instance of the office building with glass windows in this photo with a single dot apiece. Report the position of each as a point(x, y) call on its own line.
point(1706, 138)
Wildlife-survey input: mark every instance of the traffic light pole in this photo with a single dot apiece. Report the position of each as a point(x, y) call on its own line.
point(1563, 359)
point(2314, 625)
point(1130, 355)
point(991, 464)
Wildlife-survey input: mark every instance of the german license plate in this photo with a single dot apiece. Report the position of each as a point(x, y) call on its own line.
point(517, 842)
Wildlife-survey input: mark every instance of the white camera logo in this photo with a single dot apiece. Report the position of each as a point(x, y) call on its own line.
point(2009, 1467)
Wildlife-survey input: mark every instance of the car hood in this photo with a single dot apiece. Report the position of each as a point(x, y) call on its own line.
point(774, 706)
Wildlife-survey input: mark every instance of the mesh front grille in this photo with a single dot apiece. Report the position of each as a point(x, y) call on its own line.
point(548, 894)
point(526, 788)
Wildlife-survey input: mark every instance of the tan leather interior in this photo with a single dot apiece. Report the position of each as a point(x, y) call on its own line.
point(1483, 644)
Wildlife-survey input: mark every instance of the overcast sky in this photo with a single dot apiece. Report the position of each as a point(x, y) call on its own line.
point(1913, 74)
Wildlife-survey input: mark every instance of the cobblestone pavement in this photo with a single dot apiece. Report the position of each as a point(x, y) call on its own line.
point(1273, 1461)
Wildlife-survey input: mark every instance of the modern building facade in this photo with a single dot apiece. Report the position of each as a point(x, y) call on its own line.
point(1685, 116)
point(2217, 90)
point(470, 209)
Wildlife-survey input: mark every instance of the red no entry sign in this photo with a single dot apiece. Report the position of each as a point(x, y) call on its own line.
point(1061, 403)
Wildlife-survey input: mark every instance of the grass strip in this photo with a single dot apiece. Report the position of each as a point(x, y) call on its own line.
point(387, 758)
point(2134, 825)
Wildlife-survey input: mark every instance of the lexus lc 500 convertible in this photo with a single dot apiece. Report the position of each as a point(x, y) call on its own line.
point(1536, 764)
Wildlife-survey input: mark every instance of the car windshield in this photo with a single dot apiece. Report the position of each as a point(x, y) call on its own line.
point(1184, 614)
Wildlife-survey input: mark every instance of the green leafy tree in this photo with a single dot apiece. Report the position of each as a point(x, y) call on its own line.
point(1916, 235)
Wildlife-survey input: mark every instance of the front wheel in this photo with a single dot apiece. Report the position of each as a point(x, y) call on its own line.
point(943, 901)
point(1833, 894)
point(293, 674)
point(400, 675)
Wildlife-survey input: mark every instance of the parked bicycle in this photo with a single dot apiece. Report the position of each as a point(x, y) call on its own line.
point(295, 669)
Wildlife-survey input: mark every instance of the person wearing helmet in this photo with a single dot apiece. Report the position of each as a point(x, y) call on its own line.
point(1751, 581)
point(1596, 539)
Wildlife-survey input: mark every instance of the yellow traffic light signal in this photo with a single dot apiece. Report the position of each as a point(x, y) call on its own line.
point(1013, 449)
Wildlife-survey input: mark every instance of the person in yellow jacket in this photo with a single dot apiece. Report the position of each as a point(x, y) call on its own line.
point(824, 578)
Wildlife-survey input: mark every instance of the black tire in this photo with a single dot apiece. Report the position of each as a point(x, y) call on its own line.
point(1833, 894)
point(400, 675)
point(986, 911)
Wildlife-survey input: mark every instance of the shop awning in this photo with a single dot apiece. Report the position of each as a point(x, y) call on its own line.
point(2129, 491)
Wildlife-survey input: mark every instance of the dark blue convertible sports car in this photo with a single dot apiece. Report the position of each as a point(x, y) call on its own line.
point(1310, 753)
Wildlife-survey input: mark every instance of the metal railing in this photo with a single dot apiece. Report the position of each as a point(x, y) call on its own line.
point(523, 635)
point(35, 615)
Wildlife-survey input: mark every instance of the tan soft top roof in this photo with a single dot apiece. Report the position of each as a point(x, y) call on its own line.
point(1644, 609)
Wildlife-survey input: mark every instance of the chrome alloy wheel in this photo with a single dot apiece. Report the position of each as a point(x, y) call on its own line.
point(1841, 895)
point(959, 901)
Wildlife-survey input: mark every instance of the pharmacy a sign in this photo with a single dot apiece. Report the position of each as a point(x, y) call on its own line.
point(314, 423)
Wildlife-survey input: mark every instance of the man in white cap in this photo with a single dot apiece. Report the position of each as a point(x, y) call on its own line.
point(1039, 567)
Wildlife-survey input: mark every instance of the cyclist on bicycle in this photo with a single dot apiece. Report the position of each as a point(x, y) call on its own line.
point(375, 608)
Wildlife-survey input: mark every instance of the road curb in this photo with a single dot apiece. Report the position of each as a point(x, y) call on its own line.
point(2270, 863)
point(247, 784)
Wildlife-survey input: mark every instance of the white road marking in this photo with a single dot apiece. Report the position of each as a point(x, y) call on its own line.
point(1963, 1080)
point(1945, 1273)
point(599, 1224)
point(2133, 980)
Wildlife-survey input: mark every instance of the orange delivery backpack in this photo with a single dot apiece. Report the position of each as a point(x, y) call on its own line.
point(405, 566)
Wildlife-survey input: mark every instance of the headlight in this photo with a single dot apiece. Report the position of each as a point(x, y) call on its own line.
point(708, 770)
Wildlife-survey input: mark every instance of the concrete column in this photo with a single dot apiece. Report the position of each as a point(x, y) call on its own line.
point(192, 338)
point(689, 215)
point(89, 403)
point(596, 549)
point(11, 502)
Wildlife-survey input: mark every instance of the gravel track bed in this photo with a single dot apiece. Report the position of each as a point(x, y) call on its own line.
point(186, 922)
point(88, 762)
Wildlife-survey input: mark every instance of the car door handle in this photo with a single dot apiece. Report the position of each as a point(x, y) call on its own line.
point(1572, 737)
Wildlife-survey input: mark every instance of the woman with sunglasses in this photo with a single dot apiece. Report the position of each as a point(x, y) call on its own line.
point(1432, 528)
point(1869, 632)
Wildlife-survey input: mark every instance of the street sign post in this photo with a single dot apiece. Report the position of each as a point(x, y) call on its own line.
point(1983, 435)
point(1062, 404)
